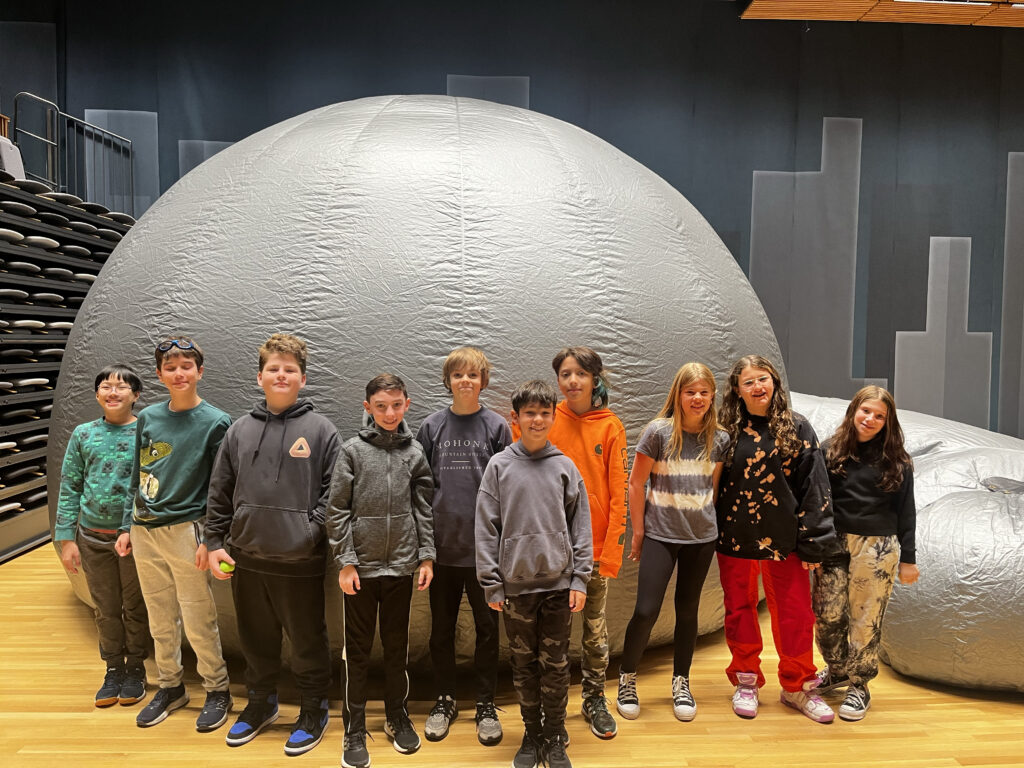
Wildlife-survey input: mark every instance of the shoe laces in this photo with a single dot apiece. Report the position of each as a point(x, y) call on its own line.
point(443, 706)
point(114, 675)
point(597, 704)
point(401, 724)
point(217, 700)
point(485, 710)
point(356, 740)
point(856, 697)
point(681, 690)
point(627, 686)
point(554, 747)
point(309, 719)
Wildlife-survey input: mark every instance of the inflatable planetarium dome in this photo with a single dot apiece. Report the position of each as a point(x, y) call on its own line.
point(387, 231)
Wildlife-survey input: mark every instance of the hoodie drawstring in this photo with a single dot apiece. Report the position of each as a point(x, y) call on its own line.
point(259, 442)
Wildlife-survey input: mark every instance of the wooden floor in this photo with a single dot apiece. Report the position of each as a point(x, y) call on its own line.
point(49, 671)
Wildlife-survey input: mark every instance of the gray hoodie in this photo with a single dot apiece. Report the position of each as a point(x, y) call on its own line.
point(378, 516)
point(532, 524)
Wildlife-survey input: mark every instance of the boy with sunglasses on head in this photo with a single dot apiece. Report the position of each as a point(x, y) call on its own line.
point(94, 482)
point(176, 442)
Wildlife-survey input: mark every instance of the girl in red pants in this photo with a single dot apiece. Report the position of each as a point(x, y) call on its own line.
point(774, 519)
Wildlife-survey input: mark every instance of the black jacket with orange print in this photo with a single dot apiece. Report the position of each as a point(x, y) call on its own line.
point(771, 504)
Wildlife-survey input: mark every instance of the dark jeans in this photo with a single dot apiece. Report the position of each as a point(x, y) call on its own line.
point(391, 595)
point(657, 561)
point(120, 608)
point(445, 599)
point(269, 605)
point(538, 626)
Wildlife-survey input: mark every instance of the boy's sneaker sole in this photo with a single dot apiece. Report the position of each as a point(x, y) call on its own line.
point(171, 707)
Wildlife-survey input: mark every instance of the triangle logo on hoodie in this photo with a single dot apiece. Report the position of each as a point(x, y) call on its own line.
point(299, 449)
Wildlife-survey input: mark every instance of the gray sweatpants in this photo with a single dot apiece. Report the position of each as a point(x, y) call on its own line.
point(178, 594)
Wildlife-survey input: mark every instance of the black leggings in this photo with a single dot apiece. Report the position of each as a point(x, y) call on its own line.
point(657, 559)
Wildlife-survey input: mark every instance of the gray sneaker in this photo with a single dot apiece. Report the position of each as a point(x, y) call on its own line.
point(488, 728)
point(595, 711)
point(444, 711)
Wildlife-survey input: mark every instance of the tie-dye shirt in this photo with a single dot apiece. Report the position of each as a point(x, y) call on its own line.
point(680, 507)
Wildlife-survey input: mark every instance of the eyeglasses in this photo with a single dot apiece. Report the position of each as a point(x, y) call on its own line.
point(165, 346)
point(106, 389)
point(749, 383)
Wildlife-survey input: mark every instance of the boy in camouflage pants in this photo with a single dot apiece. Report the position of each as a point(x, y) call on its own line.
point(534, 555)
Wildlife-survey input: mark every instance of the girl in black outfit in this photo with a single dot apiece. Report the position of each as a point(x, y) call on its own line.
point(872, 482)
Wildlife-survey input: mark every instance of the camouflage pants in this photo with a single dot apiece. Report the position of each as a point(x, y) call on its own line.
point(595, 636)
point(537, 626)
point(849, 597)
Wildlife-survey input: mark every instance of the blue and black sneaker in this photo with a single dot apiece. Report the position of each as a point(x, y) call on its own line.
point(309, 728)
point(260, 712)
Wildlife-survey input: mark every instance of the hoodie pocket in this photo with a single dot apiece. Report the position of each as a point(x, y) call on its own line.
point(535, 556)
point(275, 533)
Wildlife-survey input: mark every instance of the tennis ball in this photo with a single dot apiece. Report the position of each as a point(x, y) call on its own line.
point(226, 567)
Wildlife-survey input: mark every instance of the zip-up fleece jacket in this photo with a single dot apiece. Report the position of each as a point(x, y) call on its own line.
point(268, 490)
point(532, 524)
point(769, 504)
point(378, 516)
point(596, 443)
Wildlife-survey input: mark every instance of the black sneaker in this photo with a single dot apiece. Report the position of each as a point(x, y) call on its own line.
point(399, 729)
point(595, 711)
point(856, 703)
point(529, 754)
point(133, 689)
point(828, 682)
point(554, 753)
point(355, 754)
point(164, 701)
point(488, 727)
point(109, 692)
point(444, 711)
point(260, 712)
point(215, 711)
point(309, 729)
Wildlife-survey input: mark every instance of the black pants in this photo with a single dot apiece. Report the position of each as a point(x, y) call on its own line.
point(121, 617)
point(657, 560)
point(538, 627)
point(267, 605)
point(391, 595)
point(445, 598)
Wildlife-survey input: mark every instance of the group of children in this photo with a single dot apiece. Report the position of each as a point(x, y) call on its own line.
point(527, 521)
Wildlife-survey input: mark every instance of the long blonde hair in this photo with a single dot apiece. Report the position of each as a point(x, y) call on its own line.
point(685, 376)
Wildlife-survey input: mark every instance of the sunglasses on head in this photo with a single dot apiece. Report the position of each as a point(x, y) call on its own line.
point(165, 346)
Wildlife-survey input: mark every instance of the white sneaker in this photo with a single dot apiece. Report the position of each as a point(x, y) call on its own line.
point(810, 704)
point(744, 701)
point(627, 702)
point(683, 705)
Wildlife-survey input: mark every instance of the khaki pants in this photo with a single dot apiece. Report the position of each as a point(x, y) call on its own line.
point(178, 595)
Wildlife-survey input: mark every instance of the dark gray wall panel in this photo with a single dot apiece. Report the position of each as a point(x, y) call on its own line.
point(143, 130)
point(505, 89)
point(944, 370)
point(1011, 358)
point(803, 248)
point(192, 152)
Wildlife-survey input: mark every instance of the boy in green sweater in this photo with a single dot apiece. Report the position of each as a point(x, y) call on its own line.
point(94, 482)
point(176, 442)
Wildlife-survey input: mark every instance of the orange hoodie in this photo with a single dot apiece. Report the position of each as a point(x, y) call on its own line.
point(596, 443)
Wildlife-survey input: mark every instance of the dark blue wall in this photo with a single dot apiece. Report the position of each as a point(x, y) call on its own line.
point(687, 88)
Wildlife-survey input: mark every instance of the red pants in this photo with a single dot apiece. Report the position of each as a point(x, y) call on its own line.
point(787, 588)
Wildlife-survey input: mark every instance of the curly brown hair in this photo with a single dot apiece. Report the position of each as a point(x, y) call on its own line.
point(843, 444)
point(780, 417)
point(284, 344)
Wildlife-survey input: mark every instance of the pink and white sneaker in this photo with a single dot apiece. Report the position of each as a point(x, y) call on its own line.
point(744, 701)
point(810, 704)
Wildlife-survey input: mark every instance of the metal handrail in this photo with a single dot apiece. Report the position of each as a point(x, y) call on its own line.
point(63, 135)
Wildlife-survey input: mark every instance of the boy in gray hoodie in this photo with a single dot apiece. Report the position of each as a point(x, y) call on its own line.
point(265, 531)
point(381, 532)
point(533, 559)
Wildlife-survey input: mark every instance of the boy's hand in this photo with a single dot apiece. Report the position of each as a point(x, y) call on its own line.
point(348, 580)
point(908, 573)
point(576, 600)
point(496, 606)
point(123, 545)
point(426, 575)
point(202, 559)
point(70, 557)
point(636, 546)
point(810, 566)
point(215, 558)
